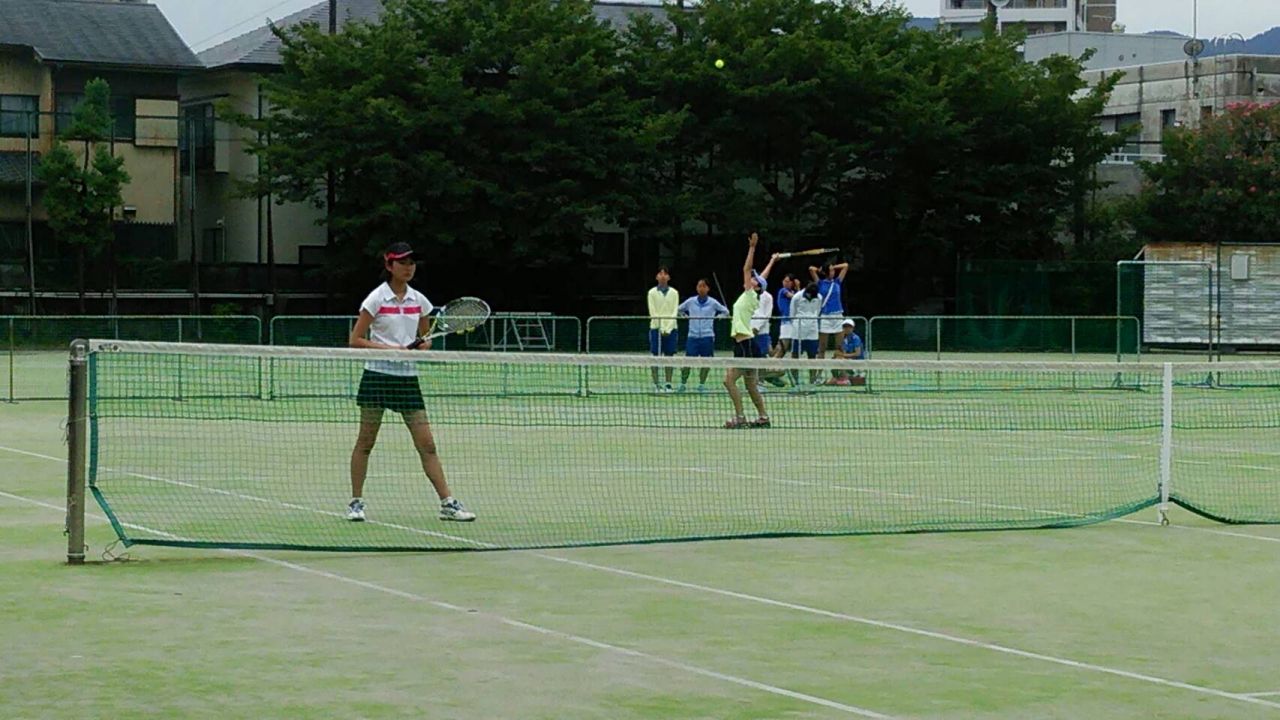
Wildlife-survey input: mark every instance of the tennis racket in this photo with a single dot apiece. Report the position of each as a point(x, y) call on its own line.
point(458, 316)
point(804, 253)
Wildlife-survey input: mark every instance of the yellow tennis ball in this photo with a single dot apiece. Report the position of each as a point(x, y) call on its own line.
point(719, 64)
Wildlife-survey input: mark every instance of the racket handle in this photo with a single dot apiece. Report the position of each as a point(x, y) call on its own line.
point(416, 344)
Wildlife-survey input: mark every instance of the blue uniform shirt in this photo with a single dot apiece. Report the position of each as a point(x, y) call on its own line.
point(783, 300)
point(835, 301)
point(702, 313)
point(852, 345)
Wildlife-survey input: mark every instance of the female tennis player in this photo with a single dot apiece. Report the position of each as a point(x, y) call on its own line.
point(394, 315)
point(830, 279)
point(744, 346)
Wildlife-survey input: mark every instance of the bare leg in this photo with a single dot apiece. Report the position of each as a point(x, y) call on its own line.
point(425, 443)
point(731, 384)
point(370, 421)
point(753, 389)
point(702, 375)
point(684, 375)
point(670, 370)
point(654, 370)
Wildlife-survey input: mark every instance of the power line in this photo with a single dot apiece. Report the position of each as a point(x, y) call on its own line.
point(242, 23)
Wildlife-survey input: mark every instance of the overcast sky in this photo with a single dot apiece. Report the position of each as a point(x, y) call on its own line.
point(204, 23)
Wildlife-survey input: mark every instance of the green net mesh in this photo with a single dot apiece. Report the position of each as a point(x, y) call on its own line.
point(33, 349)
point(251, 446)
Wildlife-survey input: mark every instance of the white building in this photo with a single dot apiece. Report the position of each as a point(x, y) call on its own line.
point(1110, 49)
point(1035, 16)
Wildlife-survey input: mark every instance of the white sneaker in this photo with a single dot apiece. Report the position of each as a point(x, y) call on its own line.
point(355, 511)
point(451, 509)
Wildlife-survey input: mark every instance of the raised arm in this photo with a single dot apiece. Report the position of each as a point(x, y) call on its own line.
point(841, 269)
point(765, 273)
point(813, 273)
point(750, 261)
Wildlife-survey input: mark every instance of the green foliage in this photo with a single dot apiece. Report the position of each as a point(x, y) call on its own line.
point(495, 127)
point(84, 181)
point(1220, 182)
point(503, 128)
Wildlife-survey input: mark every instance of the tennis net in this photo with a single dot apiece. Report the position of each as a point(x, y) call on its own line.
point(564, 450)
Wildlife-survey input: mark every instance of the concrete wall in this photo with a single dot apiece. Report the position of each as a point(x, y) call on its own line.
point(1111, 50)
point(1190, 89)
point(243, 220)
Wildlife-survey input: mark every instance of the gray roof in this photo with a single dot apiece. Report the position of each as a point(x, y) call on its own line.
point(131, 34)
point(261, 47)
point(13, 167)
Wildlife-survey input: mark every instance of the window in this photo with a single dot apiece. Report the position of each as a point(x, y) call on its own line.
point(197, 131)
point(18, 115)
point(1206, 112)
point(123, 116)
point(1168, 118)
point(213, 248)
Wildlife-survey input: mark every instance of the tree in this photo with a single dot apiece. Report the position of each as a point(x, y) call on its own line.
point(1218, 183)
point(84, 186)
point(834, 122)
point(490, 128)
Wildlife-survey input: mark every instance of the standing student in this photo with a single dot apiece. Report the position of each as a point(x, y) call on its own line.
point(806, 307)
point(830, 279)
point(663, 303)
point(786, 328)
point(702, 310)
point(744, 346)
point(394, 315)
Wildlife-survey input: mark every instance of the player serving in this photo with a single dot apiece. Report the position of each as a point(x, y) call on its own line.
point(744, 346)
point(394, 316)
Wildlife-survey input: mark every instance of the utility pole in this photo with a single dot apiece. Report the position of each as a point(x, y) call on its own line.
point(330, 195)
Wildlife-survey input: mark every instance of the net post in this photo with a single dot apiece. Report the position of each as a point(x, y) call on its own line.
point(12, 357)
point(77, 443)
point(1166, 441)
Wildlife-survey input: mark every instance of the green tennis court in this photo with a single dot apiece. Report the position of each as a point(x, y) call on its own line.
point(1085, 622)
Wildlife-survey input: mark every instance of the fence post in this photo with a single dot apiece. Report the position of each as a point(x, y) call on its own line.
point(77, 436)
point(937, 334)
point(1073, 339)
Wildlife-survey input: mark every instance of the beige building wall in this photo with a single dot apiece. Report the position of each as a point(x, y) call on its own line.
point(20, 74)
point(243, 220)
point(1183, 92)
point(151, 160)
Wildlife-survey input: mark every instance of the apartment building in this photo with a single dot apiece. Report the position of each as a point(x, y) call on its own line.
point(1034, 16)
point(49, 50)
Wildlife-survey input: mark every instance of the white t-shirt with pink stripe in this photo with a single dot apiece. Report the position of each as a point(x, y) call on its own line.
point(395, 322)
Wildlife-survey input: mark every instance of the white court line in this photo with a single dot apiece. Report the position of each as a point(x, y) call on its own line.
point(872, 622)
point(570, 637)
point(1263, 694)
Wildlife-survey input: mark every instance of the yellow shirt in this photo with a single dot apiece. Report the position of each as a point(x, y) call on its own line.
point(743, 308)
point(662, 309)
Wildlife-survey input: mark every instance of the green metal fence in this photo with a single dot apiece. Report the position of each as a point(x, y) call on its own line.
point(1115, 338)
point(630, 333)
point(33, 364)
point(504, 332)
